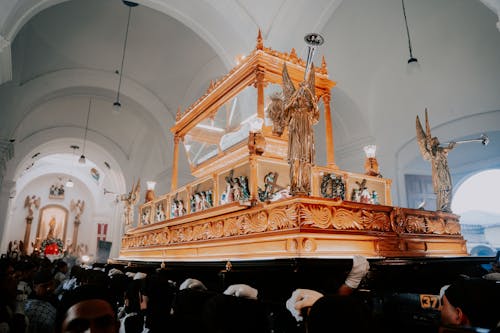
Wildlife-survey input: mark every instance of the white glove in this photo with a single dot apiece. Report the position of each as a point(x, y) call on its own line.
point(301, 298)
point(192, 284)
point(360, 267)
point(241, 290)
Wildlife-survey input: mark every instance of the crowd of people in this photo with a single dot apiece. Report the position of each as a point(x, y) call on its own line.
point(39, 296)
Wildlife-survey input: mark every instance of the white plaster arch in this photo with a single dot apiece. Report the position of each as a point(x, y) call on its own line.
point(44, 87)
point(56, 141)
point(204, 19)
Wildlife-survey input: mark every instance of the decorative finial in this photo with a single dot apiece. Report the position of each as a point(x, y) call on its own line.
point(293, 54)
point(260, 43)
point(229, 266)
point(324, 69)
point(178, 115)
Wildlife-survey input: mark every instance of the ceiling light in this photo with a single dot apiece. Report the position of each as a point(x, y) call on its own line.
point(69, 183)
point(82, 158)
point(412, 58)
point(117, 105)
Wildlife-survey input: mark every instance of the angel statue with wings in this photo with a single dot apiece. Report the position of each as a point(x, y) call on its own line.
point(77, 207)
point(31, 203)
point(432, 151)
point(297, 109)
point(131, 200)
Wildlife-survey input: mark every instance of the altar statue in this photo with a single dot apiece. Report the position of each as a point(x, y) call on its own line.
point(131, 200)
point(52, 226)
point(77, 207)
point(438, 155)
point(31, 203)
point(297, 109)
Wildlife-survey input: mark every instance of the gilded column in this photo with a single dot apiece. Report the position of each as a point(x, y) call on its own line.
point(330, 153)
point(215, 193)
point(259, 84)
point(74, 241)
point(175, 163)
point(27, 233)
point(253, 181)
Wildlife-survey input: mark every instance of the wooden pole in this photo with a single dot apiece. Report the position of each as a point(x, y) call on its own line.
point(74, 241)
point(27, 234)
point(330, 153)
point(175, 164)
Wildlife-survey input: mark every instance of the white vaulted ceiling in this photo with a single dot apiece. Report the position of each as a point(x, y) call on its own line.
point(56, 56)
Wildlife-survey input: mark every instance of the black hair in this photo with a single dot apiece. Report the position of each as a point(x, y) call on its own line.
point(80, 294)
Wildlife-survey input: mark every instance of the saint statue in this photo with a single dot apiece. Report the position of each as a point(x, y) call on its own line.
point(31, 203)
point(297, 109)
point(52, 226)
point(77, 207)
point(438, 155)
point(130, 201)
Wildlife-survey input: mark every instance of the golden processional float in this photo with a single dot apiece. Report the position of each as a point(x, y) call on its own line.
point(241, 205)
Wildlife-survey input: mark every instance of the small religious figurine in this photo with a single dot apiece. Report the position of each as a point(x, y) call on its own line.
point(31, 203)
point(298, 110)
point(431, 150)
point(160, 214)
point(130, 200)
point(52, 226)
point(356, 195)
point(181, 211)
point(210, 202)
point(77, 207)
point(269, 182)
point(244, 187)
point(365, 196)
point(237, 193)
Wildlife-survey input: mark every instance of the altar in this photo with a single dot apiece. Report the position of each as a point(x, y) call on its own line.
point(241, 208)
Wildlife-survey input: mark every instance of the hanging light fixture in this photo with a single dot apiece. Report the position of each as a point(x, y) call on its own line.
point(117, 105)
point(412, 58)
point(82, 158)
point(70, 183)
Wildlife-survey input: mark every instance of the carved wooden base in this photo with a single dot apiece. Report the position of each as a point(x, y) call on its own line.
point(298, 227)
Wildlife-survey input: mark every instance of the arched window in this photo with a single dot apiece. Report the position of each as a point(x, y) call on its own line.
point(477, 201)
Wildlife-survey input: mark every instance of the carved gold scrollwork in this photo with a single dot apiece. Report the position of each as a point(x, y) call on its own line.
point(415, 224)
point(346, 219)
point(452, 228)
point(375, 221)
point(176, 235)
point(282, 218)
point(197, 231)
point(244, 223)
point(436, 226)
point(316, 216)
point(230, 227)
point(397, 220)
point(164, 237)
point(258, 222)
point(217, 229)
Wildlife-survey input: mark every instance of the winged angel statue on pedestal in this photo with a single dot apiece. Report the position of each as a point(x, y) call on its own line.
point(131, 200)
point(432, 151)
point(297, 109)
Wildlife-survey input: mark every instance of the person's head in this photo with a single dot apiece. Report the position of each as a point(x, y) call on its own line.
point(7, 281)
point(43, 283)
point(62, 266)
point(473, 302)
point(338, 313)
point(88, 307)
